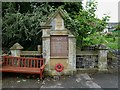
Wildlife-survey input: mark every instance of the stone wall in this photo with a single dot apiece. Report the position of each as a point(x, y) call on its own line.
point(113, 60)
point(93, 57)
point(87, 59)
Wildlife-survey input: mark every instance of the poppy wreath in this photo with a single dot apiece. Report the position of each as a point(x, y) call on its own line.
point(59, 67)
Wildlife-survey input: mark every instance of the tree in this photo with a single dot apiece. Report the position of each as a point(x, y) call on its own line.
point(23, 26)
point(86, 23)
point(72, 8)
point(22, 7)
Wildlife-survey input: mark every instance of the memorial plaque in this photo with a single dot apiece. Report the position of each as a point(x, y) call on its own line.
point(59, 45)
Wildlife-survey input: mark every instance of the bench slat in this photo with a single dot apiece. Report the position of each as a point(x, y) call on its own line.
point(20, 69)
point(37, 63)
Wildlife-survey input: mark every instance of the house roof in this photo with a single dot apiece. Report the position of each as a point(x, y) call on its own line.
point(53, 15)
point(16, 46)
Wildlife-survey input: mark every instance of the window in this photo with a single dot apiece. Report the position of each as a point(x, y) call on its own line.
point(59, 45)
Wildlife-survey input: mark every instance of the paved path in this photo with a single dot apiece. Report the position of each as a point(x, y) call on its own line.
point(106, 80)
point(76, 81)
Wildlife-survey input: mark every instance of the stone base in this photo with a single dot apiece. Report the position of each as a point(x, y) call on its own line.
point(103, 70)
point(87, 70)
point(54, 72)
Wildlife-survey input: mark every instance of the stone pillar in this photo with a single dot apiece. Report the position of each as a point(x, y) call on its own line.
point(46, 46)
point(16, 50)
point(40, 48)
point(102, 58)
point(72, 53)
point(46, 52)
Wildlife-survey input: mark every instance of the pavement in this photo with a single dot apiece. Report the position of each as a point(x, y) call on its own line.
point(96, 80)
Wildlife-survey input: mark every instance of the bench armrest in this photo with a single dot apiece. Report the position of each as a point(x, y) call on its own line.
point(42, 67)
point(1, 62)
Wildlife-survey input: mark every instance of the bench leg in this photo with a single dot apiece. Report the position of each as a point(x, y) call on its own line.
point(41, 75)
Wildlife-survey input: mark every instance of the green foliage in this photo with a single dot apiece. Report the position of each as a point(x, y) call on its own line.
point(25, 27)
point(73, 9)
point(93, 39)
point(116, 33)
point(86, 23)
point(109, 34)
point(98, 38)
point(117, 27)
point(21, 21)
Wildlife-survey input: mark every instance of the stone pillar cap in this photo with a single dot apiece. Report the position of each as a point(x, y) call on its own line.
point(102, 47)
point(16, 46)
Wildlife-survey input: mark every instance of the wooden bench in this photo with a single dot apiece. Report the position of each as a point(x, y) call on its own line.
point(22, 65)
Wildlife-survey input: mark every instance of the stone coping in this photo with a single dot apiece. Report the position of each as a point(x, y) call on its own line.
point(86, 53)
point(30, 53)
point(58, 57)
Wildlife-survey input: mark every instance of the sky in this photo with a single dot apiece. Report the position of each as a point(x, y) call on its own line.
point(108, 7)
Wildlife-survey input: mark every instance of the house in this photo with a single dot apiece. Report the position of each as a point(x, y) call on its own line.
point(111, 26)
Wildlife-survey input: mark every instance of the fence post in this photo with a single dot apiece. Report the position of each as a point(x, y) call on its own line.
point(102, 57)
